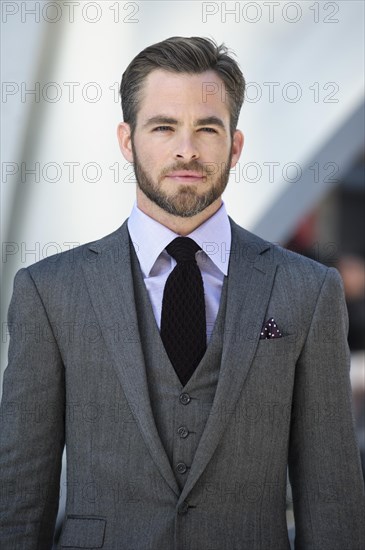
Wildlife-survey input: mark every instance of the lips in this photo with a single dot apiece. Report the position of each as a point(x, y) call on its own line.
point(188, 174)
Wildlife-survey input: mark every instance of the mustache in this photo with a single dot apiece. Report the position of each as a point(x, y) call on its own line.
point(193, 165)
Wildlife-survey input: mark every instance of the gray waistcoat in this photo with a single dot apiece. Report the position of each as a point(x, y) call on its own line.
point(180, 412)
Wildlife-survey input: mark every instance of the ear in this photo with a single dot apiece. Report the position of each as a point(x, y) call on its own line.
point(125, 140)
point(237, 146)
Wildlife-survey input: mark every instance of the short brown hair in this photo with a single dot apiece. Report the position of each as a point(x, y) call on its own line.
point(180, 54)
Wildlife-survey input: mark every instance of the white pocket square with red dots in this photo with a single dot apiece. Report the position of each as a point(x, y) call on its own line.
point(270, 330)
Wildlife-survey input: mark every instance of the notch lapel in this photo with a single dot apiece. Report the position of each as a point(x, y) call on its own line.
point(250, 280)
point(107, 270)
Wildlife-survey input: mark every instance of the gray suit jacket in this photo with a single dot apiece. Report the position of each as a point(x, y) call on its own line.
point(76, 375)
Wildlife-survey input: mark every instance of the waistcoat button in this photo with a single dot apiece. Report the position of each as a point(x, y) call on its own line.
point(181, 467)
point(185, 398)
point(183, 432)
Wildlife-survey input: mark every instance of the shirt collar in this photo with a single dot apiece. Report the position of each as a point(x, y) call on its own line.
point(150, 238)
point(214, 238)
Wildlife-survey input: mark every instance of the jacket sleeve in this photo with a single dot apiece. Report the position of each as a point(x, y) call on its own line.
point(31, 424)
point(324, 461)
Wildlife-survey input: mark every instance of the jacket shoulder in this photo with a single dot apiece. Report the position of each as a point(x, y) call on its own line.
point(70, 260)
point(289, 264)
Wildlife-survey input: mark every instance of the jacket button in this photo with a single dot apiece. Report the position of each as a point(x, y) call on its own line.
point(181, 468)
point(183, 508)
point(185, 398)
point(183, 432)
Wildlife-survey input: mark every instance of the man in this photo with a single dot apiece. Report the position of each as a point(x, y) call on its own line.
point(182, 383)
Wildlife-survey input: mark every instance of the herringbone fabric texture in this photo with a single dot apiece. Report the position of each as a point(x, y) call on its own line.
point(183, 322)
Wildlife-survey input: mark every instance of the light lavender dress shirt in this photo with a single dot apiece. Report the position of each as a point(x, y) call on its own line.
point(150, 239)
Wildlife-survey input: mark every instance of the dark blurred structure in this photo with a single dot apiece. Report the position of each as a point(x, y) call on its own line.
point(352, 269)
point(334, 234)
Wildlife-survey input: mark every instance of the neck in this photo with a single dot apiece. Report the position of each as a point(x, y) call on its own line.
point(177, 224)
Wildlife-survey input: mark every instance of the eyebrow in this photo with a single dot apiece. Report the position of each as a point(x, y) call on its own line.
point(161, 119)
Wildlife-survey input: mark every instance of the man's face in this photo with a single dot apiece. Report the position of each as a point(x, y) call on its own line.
point(182, 149)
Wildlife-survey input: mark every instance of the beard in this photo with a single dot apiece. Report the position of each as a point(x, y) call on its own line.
point(186, 201)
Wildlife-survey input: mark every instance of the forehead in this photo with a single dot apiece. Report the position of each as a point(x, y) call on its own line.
point(180, 93)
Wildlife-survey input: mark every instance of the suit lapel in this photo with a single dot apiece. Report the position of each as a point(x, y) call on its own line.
point(250, 280)
point(107, 270)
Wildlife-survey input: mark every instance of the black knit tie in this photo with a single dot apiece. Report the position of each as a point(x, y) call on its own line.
point(183, 324)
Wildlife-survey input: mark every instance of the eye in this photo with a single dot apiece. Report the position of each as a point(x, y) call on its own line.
point(209, 130)
point(162, 128)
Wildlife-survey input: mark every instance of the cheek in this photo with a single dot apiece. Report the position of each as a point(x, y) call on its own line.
point(214, 149)
point(217, 156)
point(149, 155)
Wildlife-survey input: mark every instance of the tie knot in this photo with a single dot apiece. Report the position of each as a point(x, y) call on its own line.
point(183, 249)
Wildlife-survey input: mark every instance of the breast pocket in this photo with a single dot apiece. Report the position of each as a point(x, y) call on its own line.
point(275, 347)
point(83, 532)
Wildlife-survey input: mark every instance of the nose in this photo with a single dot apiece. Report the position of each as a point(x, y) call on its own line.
point(186, 149)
